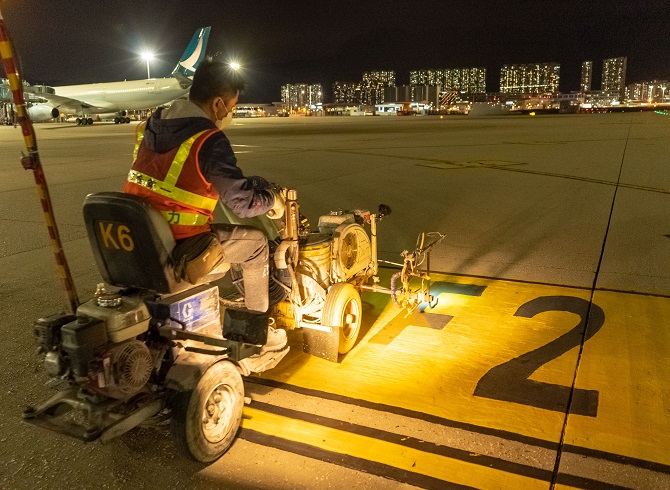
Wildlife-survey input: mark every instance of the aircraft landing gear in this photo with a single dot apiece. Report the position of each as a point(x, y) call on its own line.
point(83, 121)
point(121, 120)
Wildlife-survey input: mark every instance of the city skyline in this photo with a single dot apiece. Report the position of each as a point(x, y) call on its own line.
point(518, 79)
point(280, 45)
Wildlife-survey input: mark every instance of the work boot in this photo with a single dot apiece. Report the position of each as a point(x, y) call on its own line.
point(277, 340)
point(262, 362)
point(271, 353)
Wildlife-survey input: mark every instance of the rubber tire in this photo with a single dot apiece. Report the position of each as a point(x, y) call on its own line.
point(188, 408)
point(127, 120)
point(343, 297)
point(89, 121)
point(78, 121)
point(116, 120)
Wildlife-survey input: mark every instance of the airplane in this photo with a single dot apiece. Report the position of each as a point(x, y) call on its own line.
point(115, 98)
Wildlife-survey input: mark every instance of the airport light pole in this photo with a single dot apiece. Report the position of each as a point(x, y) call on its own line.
point(148, 56)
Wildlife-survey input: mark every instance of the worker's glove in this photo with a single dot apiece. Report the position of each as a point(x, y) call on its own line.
point(277, 210)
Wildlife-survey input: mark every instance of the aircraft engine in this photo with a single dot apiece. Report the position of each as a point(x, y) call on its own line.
point(42, 112)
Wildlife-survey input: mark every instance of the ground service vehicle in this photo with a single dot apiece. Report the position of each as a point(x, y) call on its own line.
point(154, 350)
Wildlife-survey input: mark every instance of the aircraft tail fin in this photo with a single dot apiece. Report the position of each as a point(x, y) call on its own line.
point(194, 54)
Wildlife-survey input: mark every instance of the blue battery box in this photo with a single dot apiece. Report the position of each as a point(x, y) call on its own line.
point(196, 308)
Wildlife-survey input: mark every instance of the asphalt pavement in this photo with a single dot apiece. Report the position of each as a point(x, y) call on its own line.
point(556, 206)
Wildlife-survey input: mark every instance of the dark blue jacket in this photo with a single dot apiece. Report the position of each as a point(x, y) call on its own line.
point(246, 196)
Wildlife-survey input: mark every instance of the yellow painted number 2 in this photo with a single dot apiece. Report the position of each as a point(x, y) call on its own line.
point(116, 236)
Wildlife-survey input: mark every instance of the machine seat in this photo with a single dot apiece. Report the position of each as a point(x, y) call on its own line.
point(132, 243)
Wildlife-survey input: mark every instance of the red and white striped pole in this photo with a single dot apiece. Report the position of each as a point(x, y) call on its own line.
point(32, 162)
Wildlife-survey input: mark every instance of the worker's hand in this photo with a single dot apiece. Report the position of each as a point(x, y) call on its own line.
point(277, 210)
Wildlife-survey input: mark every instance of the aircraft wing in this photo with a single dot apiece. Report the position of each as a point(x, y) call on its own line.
point(72, 106)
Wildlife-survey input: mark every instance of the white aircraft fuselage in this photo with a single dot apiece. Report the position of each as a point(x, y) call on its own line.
point(128, 95)
point(118, 97)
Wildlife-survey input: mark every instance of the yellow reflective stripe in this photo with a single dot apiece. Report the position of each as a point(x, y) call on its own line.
point(168, 187)
point(6, 50)
point(178, 195)
point(179, 160)
point(140, 137)
point(185, 219)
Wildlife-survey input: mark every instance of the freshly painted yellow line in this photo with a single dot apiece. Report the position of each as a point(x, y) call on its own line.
point(405, 363)
point(436, 371)
point(409, 459)
point(629, 362)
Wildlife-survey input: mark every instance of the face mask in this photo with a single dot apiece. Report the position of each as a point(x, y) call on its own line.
point(222, 124)
point(227, 120)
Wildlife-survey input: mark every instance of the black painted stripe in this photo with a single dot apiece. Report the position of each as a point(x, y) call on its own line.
point(617, 458)
point(351, 462)
point(587, 483)
point(433, 419)
point(398, 474)
point(410, 442)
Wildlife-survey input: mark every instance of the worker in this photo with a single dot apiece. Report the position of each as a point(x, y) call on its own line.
point(184, 164)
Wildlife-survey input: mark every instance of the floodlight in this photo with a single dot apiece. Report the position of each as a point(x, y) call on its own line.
point(148, 56)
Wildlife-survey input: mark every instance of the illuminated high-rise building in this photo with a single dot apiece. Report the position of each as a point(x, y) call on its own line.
point(346, 92)
point(373, 85)
point(299, 95)
point(614, 76)
point(531, 78)
point(587, 76)
point(651, 91)
point(471, 80)
point(315, 94)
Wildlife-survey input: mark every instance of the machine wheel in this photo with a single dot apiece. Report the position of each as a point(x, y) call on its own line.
point(206, 420)
point(343, 308)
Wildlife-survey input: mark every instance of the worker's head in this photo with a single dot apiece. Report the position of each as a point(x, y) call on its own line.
point(215, 89)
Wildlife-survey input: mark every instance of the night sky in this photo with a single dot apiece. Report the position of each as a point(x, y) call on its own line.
point(63, 42)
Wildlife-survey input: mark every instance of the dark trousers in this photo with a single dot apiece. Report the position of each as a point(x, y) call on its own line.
point(248, 247)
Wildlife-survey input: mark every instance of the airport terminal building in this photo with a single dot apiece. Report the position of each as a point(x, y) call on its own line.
point(6, 107)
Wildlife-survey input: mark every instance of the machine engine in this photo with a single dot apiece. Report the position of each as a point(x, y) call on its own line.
point(122, 371)
point(351, 249)
point(98, 348)
point(340, 251)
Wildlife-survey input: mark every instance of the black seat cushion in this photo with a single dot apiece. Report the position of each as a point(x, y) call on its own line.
point(131, 242)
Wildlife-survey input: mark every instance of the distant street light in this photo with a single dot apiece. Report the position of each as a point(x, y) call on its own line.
point(148, 56)
point(234, 65)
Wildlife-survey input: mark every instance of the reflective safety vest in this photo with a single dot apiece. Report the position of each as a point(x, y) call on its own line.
point(173, 183)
